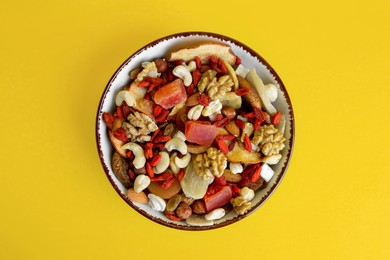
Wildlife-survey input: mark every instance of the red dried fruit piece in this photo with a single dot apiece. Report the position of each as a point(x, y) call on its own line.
point(155, 160)
point(149, 170)
point(108, 119)
point(242, 91)
point(144, 83)
point(162, 177)
point(120, 134)
point(204, 100)
point(162, 139)
point(240, 123)
point(222, 146)
point(220, 180)
point(258, 113)
point(256, 174)
point(276, 118)
point(232, 144)
point(129, 154)
point(247, 143)
point(238, 60)
point(213, 59)
point(180, 175)
point(222, 66)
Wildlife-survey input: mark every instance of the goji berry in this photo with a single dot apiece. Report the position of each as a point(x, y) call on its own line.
point(125, 109)
point(276, 118)
point(213, 59)
point(240, 123)
point(222, 66)
point(147, 96)
point(144, 84)
point(225, 137)
point(155, 134)
point(159, 146)
point(172, 217)
point(256, 174)
point(222, 146)
point(108, 119)
point(222, 123)
point(162, 177)
point(163, 117)
point(180, 175)
point(148, 150)
point(129, 154)
point(190, 89)
point(149, 170)
point(196, 75)
point(247, 143)
point(166, 184)
point(120, 134)
point(257, 123)
point(198, 62)
point(248, 115)
point(131, 174)
point(119, 112)
point(155, 160)
point(219, 117)
point(204, 100)
point(162, 139)
point(238, 60)
point(242, 91)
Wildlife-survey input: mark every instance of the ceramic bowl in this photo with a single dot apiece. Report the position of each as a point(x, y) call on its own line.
point(158, 49)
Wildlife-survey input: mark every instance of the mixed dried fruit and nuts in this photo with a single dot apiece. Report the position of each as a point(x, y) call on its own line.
point(194, 134)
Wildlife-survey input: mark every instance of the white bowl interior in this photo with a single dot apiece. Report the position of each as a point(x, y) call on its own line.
point(159, 49)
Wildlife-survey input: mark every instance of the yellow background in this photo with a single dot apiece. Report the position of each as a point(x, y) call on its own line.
point(55, 60)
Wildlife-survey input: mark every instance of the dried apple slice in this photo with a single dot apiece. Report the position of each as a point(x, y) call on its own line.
point(204, 51)
point(252, 97)
point(240, 155)
point(117, 144)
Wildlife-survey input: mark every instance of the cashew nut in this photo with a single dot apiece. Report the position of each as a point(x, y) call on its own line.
point(184, 161)
point(156, 202)
point(125, 95)
point(141, 183)
point(163, 163)
point(172, 163)
point(195, 112)
point(180, 135)
point(215, 214)
point(139, 156)
point(183, 72)
point(247, 193)
point(176, 144)
point(236, 168)
point(271, 91)
point(191, 66)
point(214, 107)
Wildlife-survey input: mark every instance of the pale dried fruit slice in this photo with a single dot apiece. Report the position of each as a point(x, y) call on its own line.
point(139, 197)
point(240, 155)
point(204, 51)
point(117, 144)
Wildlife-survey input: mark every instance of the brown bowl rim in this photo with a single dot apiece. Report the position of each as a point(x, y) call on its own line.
point(291, 141)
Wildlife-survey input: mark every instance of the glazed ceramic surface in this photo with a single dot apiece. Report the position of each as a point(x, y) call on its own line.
point(158, 49)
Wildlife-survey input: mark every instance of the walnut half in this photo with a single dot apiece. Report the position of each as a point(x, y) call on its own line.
point(138, 127)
